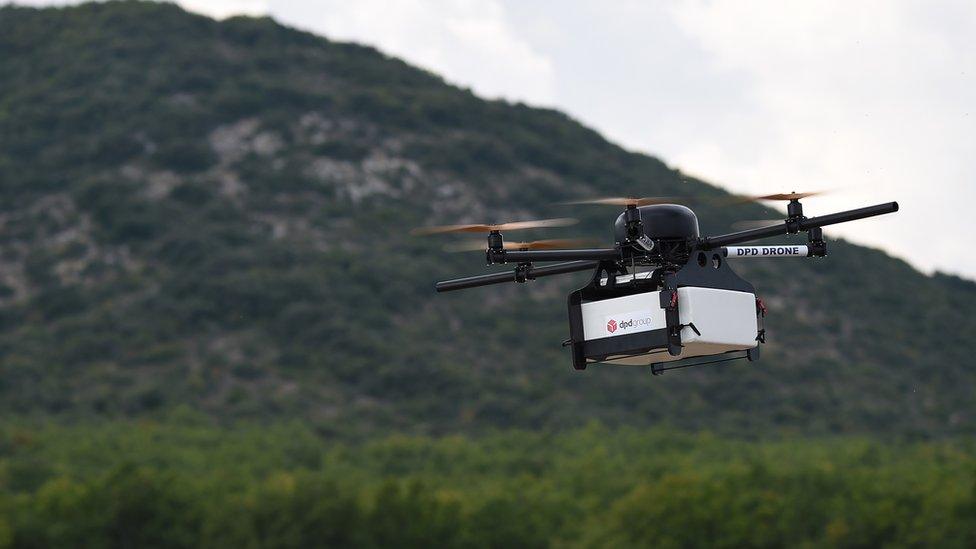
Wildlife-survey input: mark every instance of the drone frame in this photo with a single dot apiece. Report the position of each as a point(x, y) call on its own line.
point(575, 260)
point(699, 262)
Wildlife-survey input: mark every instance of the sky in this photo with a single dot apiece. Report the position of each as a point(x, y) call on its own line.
point(872, 99)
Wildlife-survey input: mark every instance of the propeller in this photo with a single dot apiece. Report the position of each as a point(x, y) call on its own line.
point(487, 228)
point(552, 244)
point(782, 196)
point(630, 201)
point(754, 223)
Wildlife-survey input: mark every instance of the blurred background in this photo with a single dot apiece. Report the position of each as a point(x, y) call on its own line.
point(216, 329)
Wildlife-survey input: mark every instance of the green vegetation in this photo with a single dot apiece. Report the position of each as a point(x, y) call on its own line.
point(163, 485)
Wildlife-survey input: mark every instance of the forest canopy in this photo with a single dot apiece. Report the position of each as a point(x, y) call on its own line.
point(185, 483)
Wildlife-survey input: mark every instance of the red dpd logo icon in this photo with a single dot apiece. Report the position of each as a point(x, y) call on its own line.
point(612, 326)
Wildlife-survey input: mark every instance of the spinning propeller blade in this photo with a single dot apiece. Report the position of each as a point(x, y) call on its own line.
point(782, 196)
point(552, 244)
point(746, 224)
point(486, 228)
point(628, 201)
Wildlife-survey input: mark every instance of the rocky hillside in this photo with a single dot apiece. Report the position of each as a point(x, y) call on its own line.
point(215, 215)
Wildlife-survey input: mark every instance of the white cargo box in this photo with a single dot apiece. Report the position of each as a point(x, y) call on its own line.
point(726, 320)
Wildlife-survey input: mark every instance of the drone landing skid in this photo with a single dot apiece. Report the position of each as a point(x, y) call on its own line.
point(658, 368)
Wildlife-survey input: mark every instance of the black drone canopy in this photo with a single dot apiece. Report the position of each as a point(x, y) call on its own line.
point(661, 221)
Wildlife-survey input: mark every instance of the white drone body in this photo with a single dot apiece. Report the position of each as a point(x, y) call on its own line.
point(725, 320)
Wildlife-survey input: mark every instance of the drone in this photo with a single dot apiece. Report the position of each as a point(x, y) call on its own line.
point(663, 296)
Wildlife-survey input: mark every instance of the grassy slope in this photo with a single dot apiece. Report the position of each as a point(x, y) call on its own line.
point(215, 214)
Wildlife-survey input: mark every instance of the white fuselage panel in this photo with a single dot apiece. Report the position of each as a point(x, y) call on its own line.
point(726, 319)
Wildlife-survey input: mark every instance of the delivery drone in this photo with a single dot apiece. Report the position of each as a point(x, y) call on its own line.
point(663, 296)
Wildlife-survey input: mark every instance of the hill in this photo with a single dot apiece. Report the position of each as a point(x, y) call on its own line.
point(215, 215)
